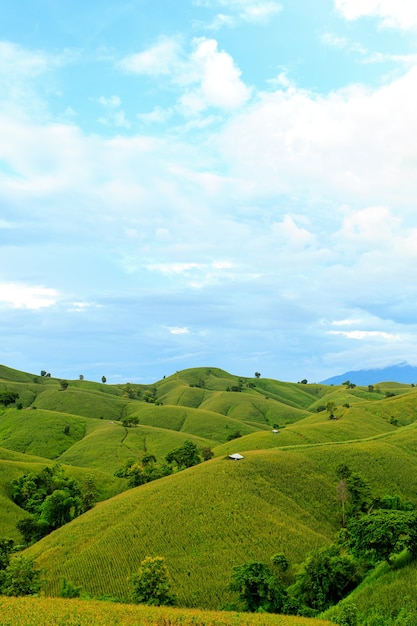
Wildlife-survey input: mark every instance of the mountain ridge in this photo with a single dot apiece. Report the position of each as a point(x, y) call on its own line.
point(399, 373)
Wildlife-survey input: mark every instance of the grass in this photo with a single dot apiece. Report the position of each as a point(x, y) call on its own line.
point(59, 612)
point(385, 593)
point(205, 520)
point(201, 520)
point(40, 432)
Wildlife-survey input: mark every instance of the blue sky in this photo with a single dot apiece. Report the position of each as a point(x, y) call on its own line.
point(225, 183)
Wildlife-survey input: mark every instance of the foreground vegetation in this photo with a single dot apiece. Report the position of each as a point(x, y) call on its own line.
point(154, 459)
point(53, 611)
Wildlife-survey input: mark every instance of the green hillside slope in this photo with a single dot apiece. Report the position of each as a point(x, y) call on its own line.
point(281, 498)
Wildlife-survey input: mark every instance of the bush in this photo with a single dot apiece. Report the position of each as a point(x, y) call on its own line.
point(21, 578)
point(151, 583)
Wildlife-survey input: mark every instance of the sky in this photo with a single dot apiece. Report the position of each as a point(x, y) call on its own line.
point(207, 183)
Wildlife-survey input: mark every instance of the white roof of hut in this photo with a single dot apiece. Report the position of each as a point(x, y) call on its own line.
point(236, 456)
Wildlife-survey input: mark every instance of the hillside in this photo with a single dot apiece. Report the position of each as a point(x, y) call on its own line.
point(281, 498)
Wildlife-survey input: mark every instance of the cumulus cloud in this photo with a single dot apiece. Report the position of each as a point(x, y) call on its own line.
point(354, 142)
point(204, 76)
point(219, 83)
point(19, 296)
point(392, 13)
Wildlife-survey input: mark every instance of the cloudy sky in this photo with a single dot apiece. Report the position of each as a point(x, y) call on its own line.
point(226, 183)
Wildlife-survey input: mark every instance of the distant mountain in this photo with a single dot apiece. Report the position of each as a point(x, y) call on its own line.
point(400, 373)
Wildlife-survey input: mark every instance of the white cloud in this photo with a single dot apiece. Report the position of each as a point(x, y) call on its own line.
point(253, 11)
point(175, 330)
point(81, 307)
point(347, 322)
point(113, 102)
point(16, 61)
point(173, 268)
point(220, 84)
point(393, 13)
point(365, 334)
point(205, 77)
point(354, 143)
point(157, 116)
point(160, 59)
point(20, 296)
point(114, 115)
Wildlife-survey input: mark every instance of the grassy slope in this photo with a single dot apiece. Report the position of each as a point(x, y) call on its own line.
point(223, 513)
point(201, 520)
point(385, 592)
point(281, 498)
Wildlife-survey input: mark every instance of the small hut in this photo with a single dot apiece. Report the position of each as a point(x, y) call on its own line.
point(236, 456)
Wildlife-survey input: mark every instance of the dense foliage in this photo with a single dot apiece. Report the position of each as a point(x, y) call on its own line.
point(51, 498)
point(151, 584)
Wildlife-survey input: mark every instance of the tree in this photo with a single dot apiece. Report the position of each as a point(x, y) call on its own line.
point(6, 548)
point(185, 456)
point(103, 379)
point(330, 408)
point(327, 577)
point(257, 374)
point(383, 533)
point(304, 381)
point(370, 388)
point(81, 377)
point(21, 578)
point(258, 587)
point(129, 391)
point(57, 508)
point(68, 590)
point(129, 422)
point(151, 584)
point(50, 497)
point(64, 385)
point(32, 529)
point(207, 453)
point(8, 397)
point(141, 473)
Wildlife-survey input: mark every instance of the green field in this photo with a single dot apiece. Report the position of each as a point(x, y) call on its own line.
point(281, 498)
point(50, 612)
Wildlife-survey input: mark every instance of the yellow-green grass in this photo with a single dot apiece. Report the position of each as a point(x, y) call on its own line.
point(253, 408)
point(180, 394)
point(10, 374)
point(108, 445)
point(87, 403)
point(199, 422)
point(293, 394)
point(214, 378)
point(402, 408)
point(385, 592)
point(353, 423)
point(40, 432)
point(203, 521)
point(223, 513)
point(31, 611)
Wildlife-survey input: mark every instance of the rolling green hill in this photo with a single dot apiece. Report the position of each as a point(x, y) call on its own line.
point(281, 498)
